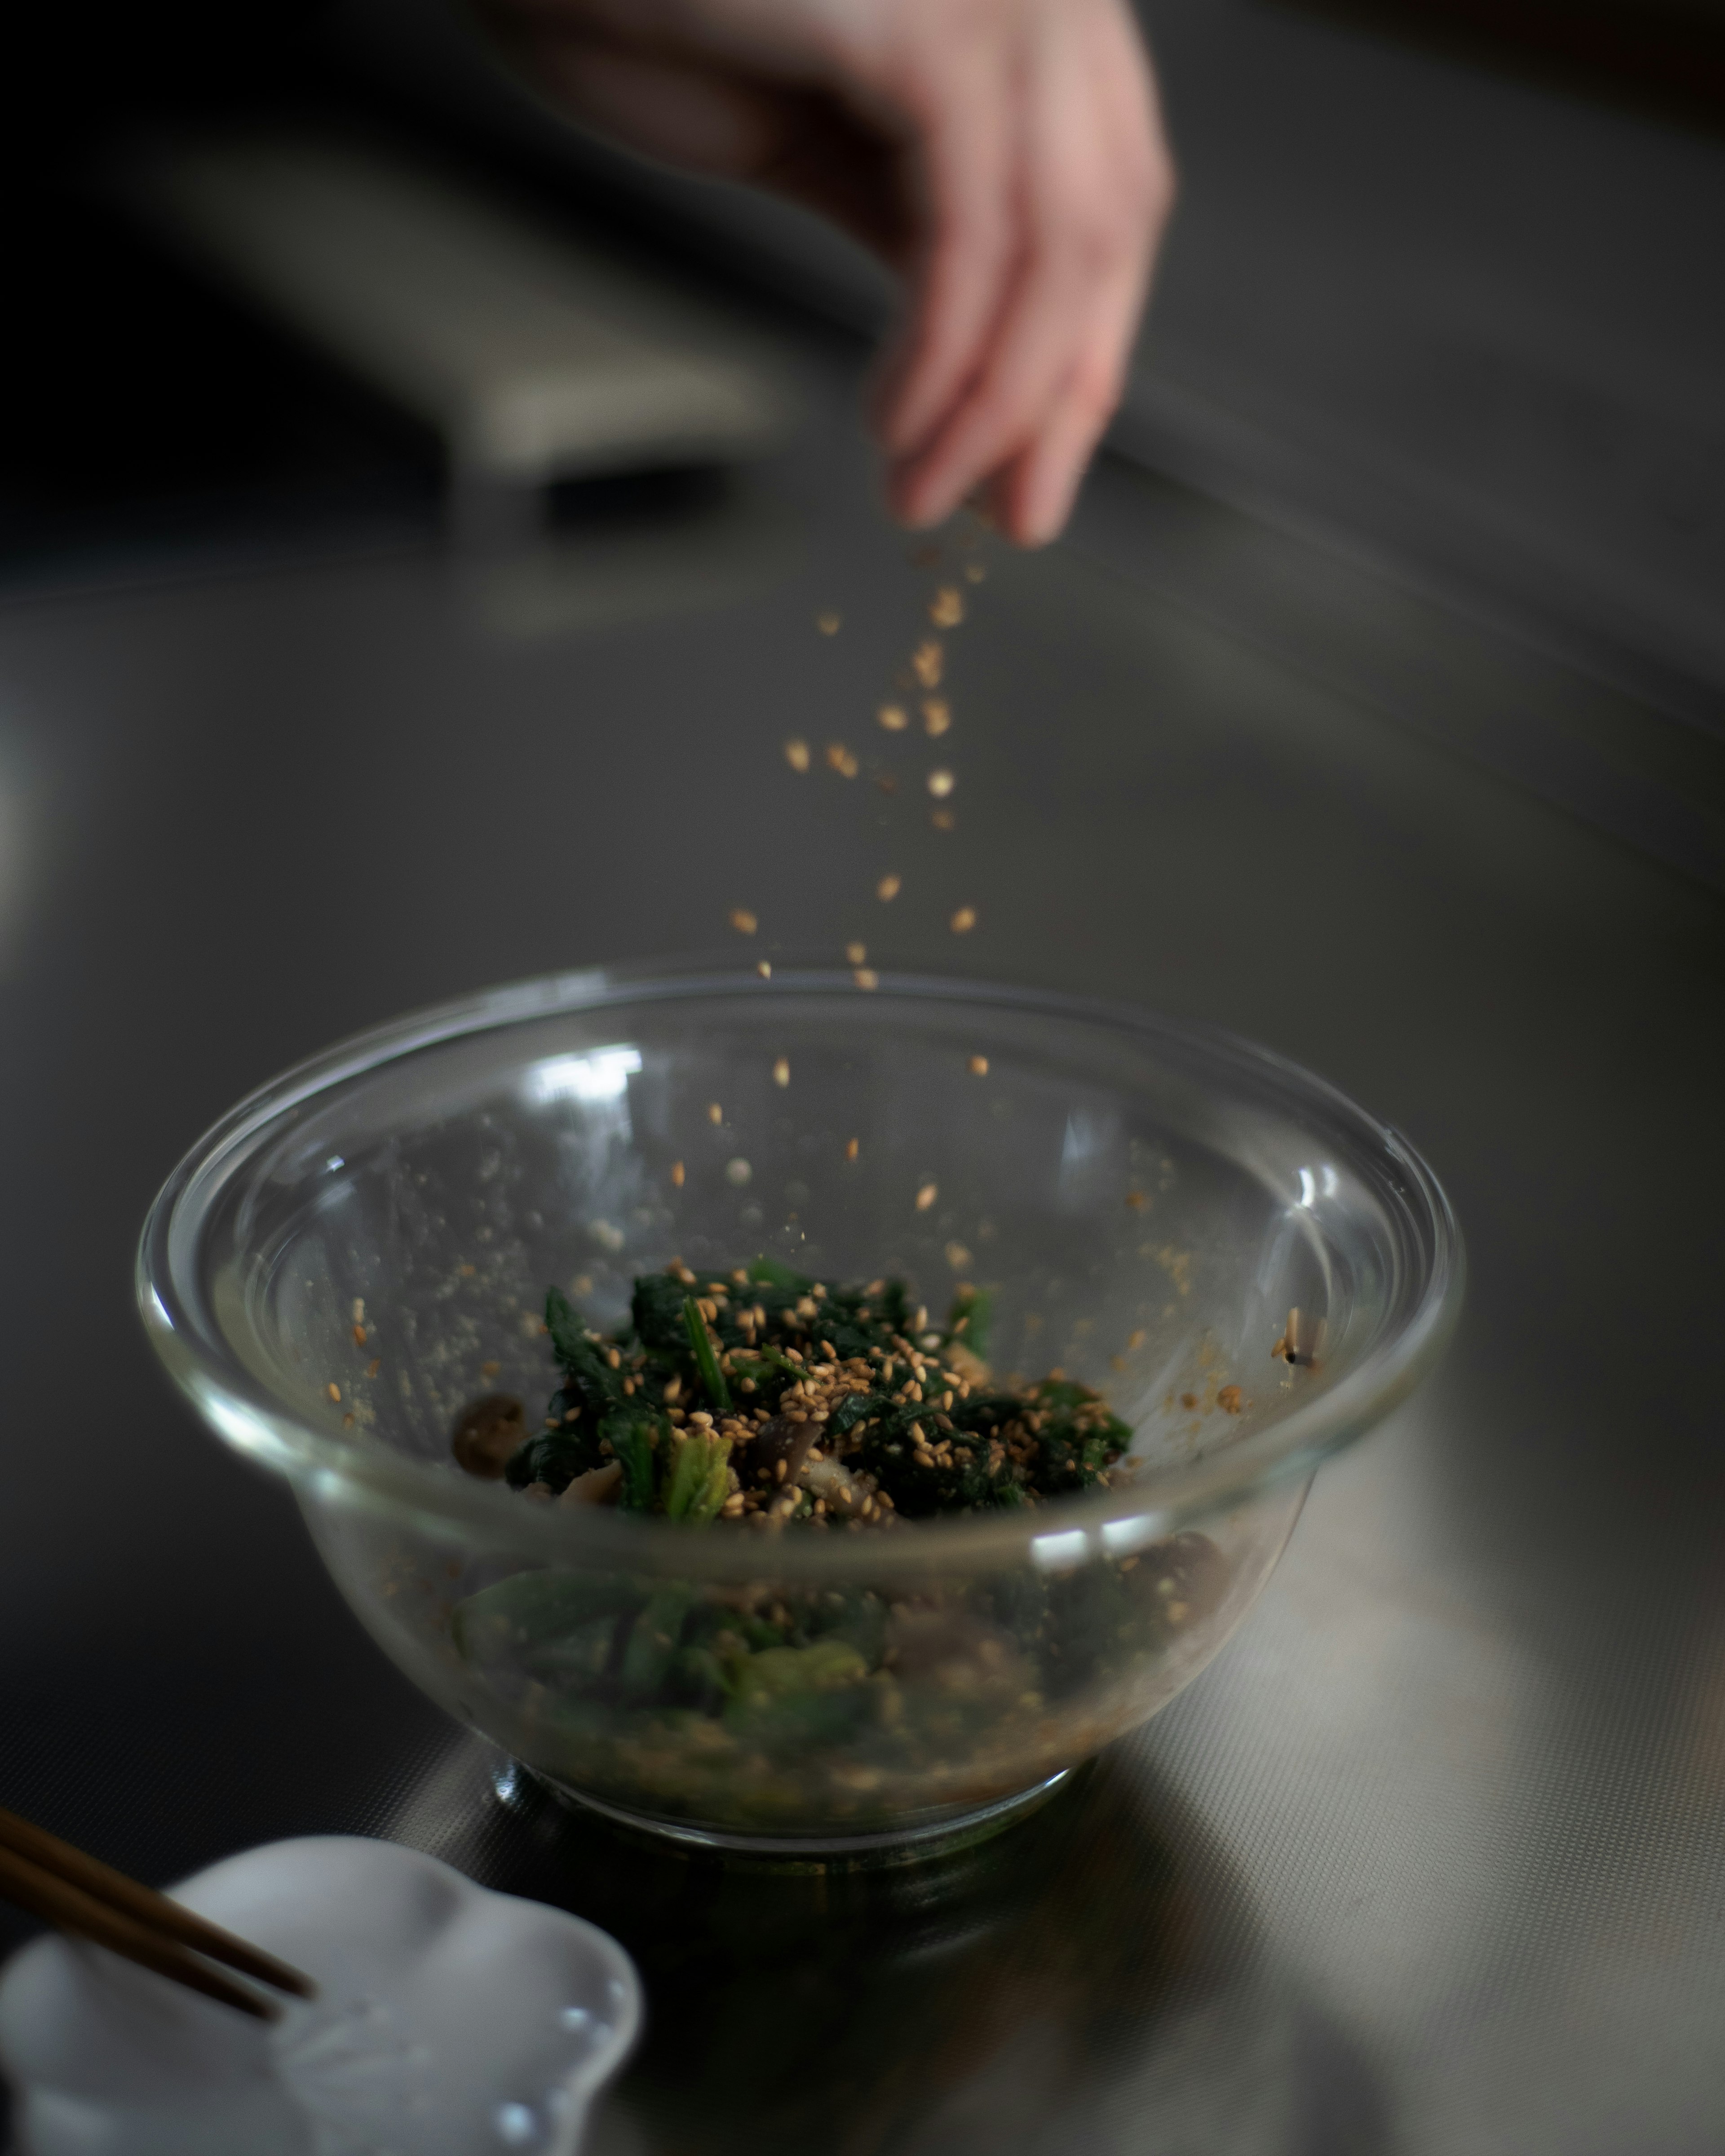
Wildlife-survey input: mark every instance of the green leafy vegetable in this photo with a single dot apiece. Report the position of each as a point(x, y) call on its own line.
point(777, 1672)
point(529, 1608)
point(656, 1307)
point(554, 1457)
point(712, 1378)
point(970, 1319)
point(902, 1419)
point(633, 1438)
point(698, 1484)
point(652, 1644)
point(591, 1378)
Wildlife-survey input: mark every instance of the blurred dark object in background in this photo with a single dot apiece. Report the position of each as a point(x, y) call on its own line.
point(73, 75)
point(1665, 56)
point(264, 301)
point(139, 407)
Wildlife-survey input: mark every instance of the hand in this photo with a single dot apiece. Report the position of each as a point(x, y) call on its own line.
point(1006, 156)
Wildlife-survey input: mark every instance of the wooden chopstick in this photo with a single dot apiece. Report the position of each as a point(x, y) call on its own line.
point(62, 1884)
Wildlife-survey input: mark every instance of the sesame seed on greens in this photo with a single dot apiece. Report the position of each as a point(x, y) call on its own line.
point(764, 1395)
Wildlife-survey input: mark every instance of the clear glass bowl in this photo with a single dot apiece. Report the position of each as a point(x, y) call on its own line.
point(360, 1250)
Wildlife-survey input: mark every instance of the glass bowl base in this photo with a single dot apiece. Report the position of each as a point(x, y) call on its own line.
point(895, 1845)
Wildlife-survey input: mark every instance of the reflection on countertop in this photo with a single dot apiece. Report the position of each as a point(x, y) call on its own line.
point(1094, 1977)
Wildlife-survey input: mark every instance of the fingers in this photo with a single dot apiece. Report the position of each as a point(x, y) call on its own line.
point(965, 113)
point(1032, 496)
point(1042, 183)
point(1091, 189)
point(695, 116)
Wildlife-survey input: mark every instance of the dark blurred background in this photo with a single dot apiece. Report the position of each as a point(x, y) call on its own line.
point(1375, 707)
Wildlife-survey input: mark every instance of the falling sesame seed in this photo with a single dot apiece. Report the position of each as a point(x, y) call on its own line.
point(941, 784)
point(795, 754)
point(979, 1066)
point(765, 969)
point(958, 1257)
point(359, 1336)
point(359, 1310)
point(852, 1147)
point(866, 977)
point(856, 953)
point(975, 572)
point(937, 716)
point(743, 921)
point(715, 1113)
point(947, 610)
point(926, 1195)
point(925, 663)
point(841, 760)
point(782, 1071)
point(827, 623)
point(737, 1172)
point(677, 1174)
point(334, 1390)
point(963, 920)
point(889, 888)
point(1137, 1200)
point(489, 1369)
point(893, 717)
point(374, 1365)
point(942, 819)
point(1137, 1341)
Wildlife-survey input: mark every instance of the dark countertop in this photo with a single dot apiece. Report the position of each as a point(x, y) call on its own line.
point(1431, 1858)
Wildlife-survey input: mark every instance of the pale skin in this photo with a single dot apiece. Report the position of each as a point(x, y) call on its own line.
point(1006, 157)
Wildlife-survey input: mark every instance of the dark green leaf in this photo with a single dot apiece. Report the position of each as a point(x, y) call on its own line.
point(589, 1372)
point(657, 1308)
point(632, 1439)
point(554, 1457)
point(712, 1378)
point(970, 1319)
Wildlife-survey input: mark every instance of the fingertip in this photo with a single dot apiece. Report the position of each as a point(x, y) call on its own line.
point(908, 504)
point(1047, 506)
point(920, 497)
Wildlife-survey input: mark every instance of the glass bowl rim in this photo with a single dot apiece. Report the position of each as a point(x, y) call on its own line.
point(1156, 1501)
